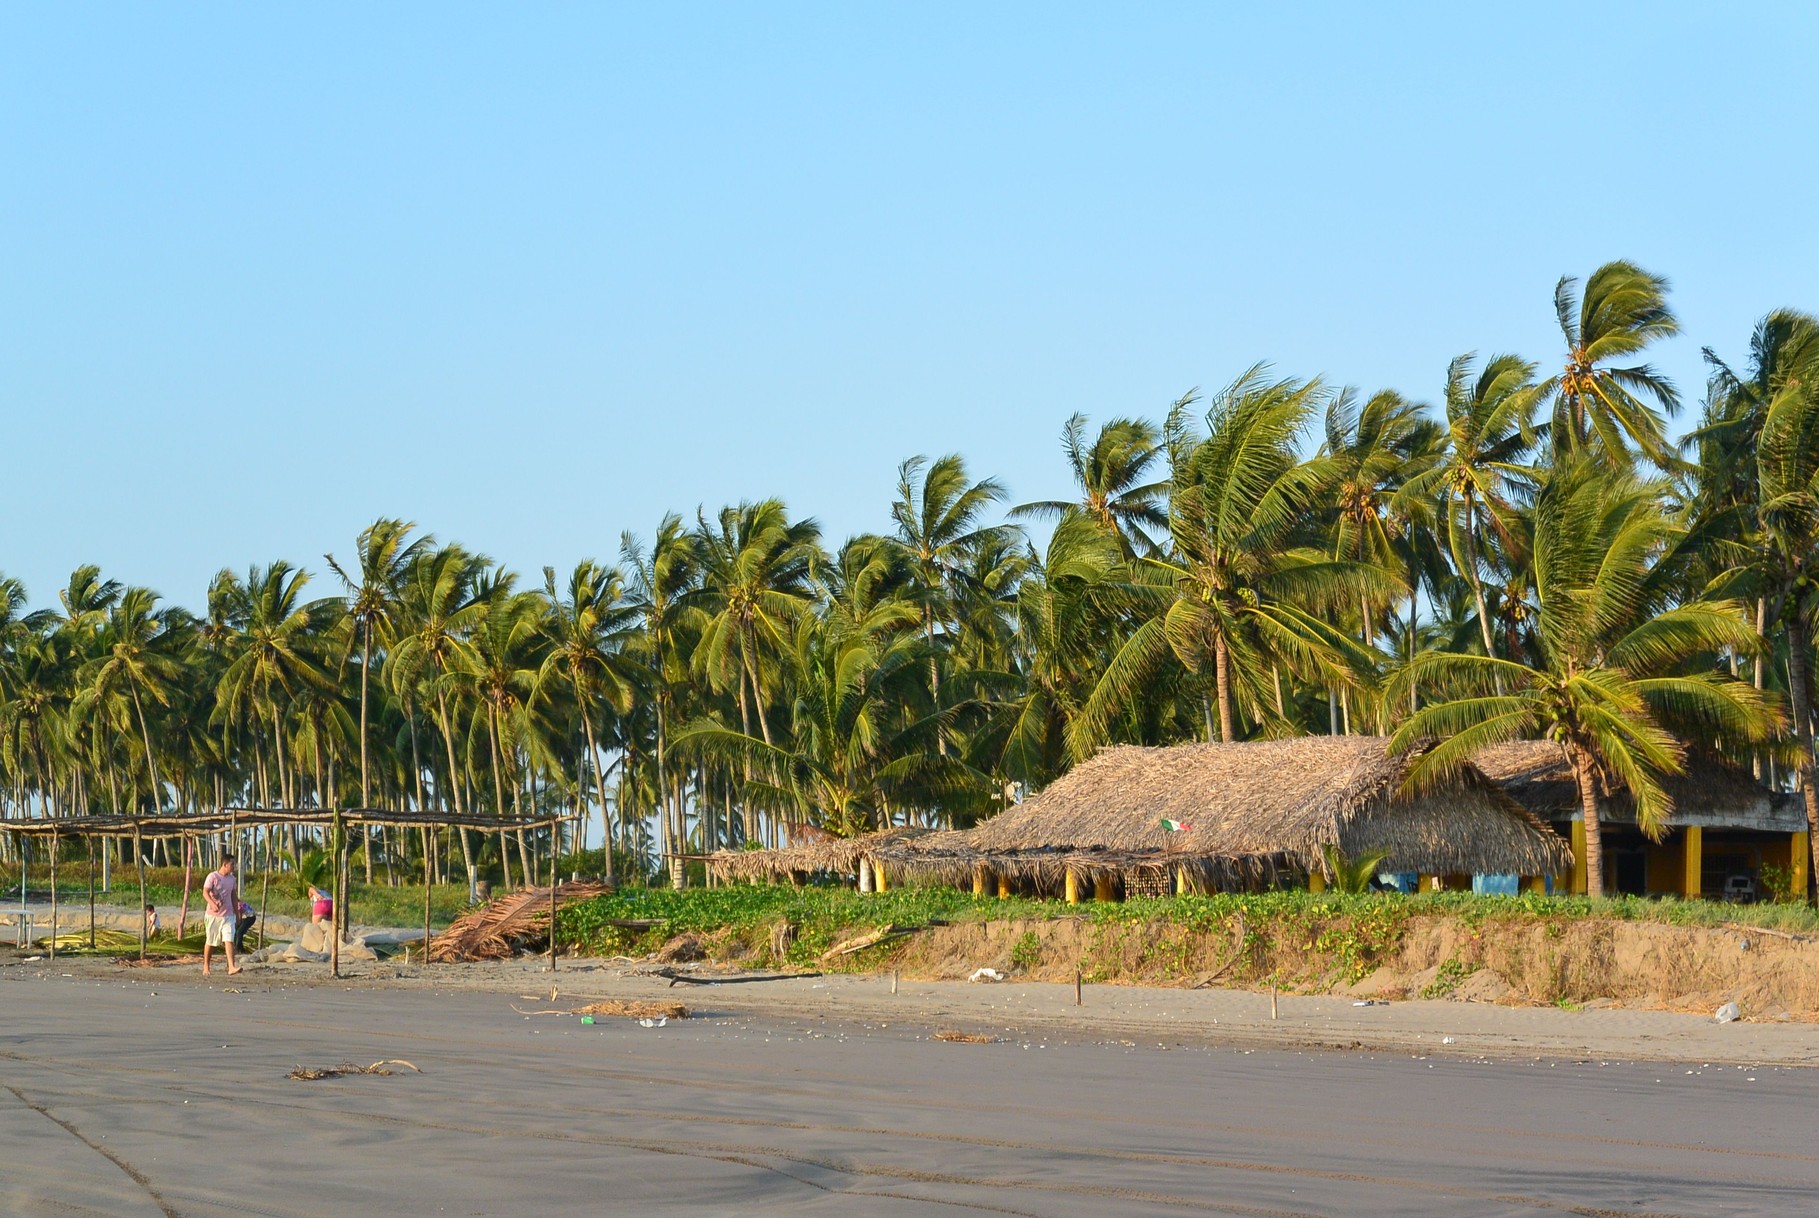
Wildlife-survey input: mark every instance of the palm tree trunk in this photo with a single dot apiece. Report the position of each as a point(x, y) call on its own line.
point(1414, 593)
point(606, 824)
point(1799, 694)
point(151, 760)
point(1222, 675)
point(1594, 832)
point(492, 735)
point(366, 664)
point(448, 739)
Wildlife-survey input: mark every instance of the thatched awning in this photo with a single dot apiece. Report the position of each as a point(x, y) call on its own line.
point(1287, 799)
point(1711, 793)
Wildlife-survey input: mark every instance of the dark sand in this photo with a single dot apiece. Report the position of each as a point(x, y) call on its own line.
point(153, 1093)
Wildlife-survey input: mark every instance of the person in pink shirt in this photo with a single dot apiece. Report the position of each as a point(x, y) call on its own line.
point(221, 891)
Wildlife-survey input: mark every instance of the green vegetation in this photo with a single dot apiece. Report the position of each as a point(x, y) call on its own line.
point(1354, 930)
point(1528, 557)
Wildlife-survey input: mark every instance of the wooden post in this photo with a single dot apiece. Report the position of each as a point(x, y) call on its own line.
point(89, 839)
point(139, 863)
point(265, 887)
point(865, 875)
point(1579, 883)
point(1800, 846)
point(1076, 987)
point(979, 879)
point(1071, 887)
point(1004, 886)
point(1692, 872)
point(552, 900)
point(878, 881)
point(53, 948)
point(334, 928)
point(427, 877)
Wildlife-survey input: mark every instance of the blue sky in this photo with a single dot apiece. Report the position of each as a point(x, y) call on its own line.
point(532, 276)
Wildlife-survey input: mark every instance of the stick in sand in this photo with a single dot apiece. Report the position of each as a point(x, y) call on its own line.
point(89, 839)
point(53, 896)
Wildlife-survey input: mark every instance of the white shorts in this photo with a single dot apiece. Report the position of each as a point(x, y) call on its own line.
point(220, 930)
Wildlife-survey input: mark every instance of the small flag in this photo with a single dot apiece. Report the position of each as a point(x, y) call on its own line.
point(1174, 826)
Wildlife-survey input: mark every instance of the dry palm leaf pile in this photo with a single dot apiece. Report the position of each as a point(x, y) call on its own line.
point(504, 927)
point(307, 1074)
point(957, 1037)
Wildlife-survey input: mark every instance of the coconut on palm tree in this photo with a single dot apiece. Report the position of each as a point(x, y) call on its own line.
point(1600, 405)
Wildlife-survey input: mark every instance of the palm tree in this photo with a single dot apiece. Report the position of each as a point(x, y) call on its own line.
point(664, 579)
point(1786, 559)
point(1064, 611)
point(1241, 592)
point(756, 572)
point(1490, 430)
point(1374, 449)
point(590, 627)
point(938, 515)
point(386, 553)
point(1604, 408)
point(1619, 664)
point(275, 655)
point(498, 669)
point(439, 611)
point(846, 758)
point(132, 661)
point(1114, 475)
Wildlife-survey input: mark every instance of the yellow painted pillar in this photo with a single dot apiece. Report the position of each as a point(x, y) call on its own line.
point(979, 879)
point(1004, 887)
point(1316, 882)
point(1534, 883)
point(1692, 863)
point(1800, 847)
point(1072, 886)
point(1579, 878)
point(1183, 885)
point(878, 880)
point(1427, 883)
point(1102, 888)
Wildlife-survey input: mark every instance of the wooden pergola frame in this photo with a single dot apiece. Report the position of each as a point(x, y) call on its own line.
point(189, 825)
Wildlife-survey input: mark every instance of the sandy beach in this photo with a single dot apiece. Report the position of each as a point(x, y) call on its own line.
point(159, 1092)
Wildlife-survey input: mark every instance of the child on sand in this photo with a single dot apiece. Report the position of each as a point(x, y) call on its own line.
point(322, 913)
point(151, 921)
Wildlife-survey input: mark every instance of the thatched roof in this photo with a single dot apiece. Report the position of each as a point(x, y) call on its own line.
point(1285, 799)
point(1711, 793)
point(924, 853)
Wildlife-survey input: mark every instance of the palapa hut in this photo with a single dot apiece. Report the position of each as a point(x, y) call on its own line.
point(1257, 814)
point(1258, 808)
point(1726, 835)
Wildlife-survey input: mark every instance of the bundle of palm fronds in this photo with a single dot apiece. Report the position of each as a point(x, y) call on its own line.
point(508, 925)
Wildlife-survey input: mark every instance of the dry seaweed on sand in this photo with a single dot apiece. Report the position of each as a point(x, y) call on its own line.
point(308, 1074)
point(504, 927)
point(633, 1008)
point(956, 1037)
point(628, 1008)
